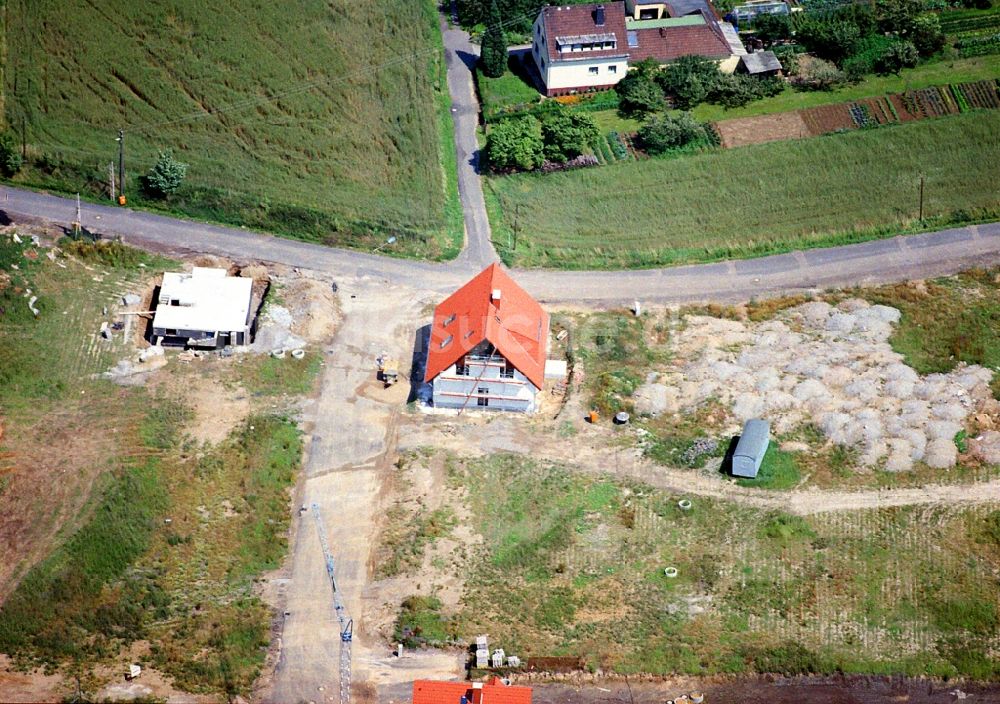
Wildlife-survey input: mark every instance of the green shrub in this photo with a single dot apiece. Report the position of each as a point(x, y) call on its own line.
point(666, 132)
point(166, 175)
point(10, 155)
point(515, 143)
point(638, 93)
point(565, 134)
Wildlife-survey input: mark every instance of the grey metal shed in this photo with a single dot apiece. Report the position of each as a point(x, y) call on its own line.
point(750, 449)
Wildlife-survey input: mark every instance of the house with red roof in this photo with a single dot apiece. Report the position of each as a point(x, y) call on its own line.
point(488, 346)
point(591, 46)
point(492, 692)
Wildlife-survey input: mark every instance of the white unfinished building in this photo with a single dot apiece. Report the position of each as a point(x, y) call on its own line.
point(205, 308)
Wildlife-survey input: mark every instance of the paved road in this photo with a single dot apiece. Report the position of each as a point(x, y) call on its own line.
point(460, 57)
point(915, 256)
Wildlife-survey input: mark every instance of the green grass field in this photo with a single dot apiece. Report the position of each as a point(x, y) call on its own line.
point(312, 120)
point(580, 560)
point(752, 201)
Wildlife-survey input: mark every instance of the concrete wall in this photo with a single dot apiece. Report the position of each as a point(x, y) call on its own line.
point(452, 390)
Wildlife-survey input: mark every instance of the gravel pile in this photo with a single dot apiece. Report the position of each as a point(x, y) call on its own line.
point(827, 365)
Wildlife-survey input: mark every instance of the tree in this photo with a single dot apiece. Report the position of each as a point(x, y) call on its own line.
point(10, 155)
point(926, 35)
point(897, 57)
point(566, 134)
point(515, 144)
point(638, 95)
point(494, 49)
point(896, 16)
point(831, 40)
point(665, 132)
point(689, 80)
point(166, 175)
point(770, 28)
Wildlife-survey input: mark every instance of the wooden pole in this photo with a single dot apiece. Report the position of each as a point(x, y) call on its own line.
point(121, 161)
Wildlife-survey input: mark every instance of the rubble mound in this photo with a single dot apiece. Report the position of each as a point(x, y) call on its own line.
point(831, 366)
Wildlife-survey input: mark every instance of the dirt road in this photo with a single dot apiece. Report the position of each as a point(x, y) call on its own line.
point(351, 437)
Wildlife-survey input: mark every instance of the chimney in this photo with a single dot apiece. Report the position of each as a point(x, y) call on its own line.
point(599, 15)
point(495, 295)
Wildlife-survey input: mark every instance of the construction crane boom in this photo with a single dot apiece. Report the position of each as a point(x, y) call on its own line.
point(345, 621)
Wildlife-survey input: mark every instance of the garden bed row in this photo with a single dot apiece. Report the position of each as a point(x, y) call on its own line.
point(935, 101)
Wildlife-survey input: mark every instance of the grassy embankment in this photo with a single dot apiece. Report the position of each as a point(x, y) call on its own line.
point(288, 122)
point(117, 571)
point(704, 207)
point(580, 559)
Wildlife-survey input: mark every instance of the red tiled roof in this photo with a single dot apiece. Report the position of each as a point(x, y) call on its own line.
point(515, 324)
point(578, 20)
point(669, 43)
point(492, 692)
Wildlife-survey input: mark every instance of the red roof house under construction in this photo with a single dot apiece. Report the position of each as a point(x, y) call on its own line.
point(488, 345)
point(491, 692)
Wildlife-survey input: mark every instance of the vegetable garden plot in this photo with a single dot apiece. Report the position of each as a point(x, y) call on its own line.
point(981, 94)
point(827, 118)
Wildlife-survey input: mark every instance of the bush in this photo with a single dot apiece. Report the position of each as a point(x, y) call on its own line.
point(770, 28)
point(788, 57)
point(166, 175)
point(819, 75)
point(638, 95)
point(690, 80)
point(738, 90)
point(10, 155)
point(831, 40)
point(897, 57)
point(565, 134)
point(663, 133)
point(515, 144)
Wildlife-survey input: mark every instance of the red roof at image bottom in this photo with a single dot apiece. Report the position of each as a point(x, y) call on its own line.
point(492, 692)
point(490, 307)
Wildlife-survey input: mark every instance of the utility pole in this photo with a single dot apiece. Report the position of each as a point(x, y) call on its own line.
point(921, 198)
point(121, 161)
point(111, 179)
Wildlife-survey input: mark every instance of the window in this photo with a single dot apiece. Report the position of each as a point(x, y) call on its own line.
point(535, 48)
point(577, 47)
point(450, 319)
point(469, 334)
point(482, 400)
point(507, 370)
point(612, 69)
point(447, 341)
point(170, 333)
point(592, 70)
point(461, 368)
point(633, 38)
